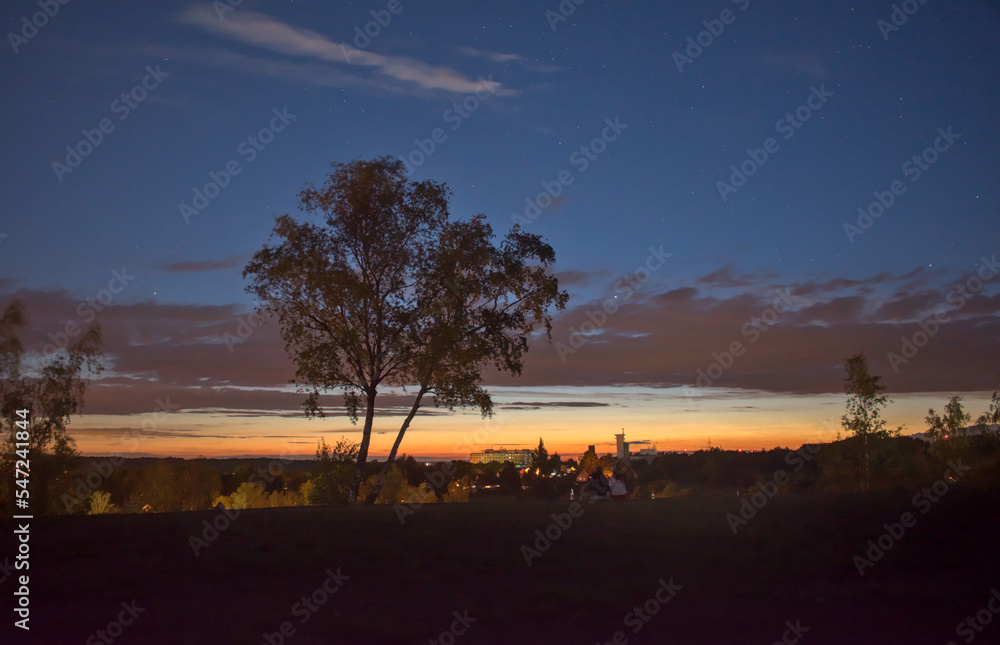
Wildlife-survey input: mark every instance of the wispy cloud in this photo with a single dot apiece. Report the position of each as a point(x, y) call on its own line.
point(498, 57)
point(535, 405)
point(659, 338)
point(493, 56)
point(663, 336)
point(569, 278)
point(268, 33)
point(203, 265)
point(314, 73)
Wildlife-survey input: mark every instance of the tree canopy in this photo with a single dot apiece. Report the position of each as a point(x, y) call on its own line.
point(865, 400)
point(952, 424)
point(386, 291)
point(992, 415)
point(52, 391)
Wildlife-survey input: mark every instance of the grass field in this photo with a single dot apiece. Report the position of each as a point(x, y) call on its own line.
point(792, 562)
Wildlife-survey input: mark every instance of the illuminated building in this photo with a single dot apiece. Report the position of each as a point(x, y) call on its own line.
point(520, 458)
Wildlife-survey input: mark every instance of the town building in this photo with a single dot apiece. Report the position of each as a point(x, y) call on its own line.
point(520, 458)
point(622, 446)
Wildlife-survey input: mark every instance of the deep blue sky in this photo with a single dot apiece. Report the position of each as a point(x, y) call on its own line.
point(551, 91)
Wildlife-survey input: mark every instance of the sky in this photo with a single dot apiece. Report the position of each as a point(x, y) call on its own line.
point(740, 195)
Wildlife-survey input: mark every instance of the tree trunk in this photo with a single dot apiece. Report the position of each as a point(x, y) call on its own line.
point(867, 471)
point(366, 436)
point(373, 495)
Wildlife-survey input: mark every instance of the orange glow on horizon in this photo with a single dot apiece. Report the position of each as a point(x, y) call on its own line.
point(746, 421)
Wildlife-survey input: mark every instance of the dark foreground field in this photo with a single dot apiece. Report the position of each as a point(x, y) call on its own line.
point(404, 582)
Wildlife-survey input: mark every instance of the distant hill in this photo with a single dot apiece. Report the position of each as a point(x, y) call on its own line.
point(291, 463)
point(221, 465)
point(969, 430)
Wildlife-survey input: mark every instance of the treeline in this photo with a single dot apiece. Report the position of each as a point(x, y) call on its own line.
point(114, 485)
point(896, 464)
point(870, 458)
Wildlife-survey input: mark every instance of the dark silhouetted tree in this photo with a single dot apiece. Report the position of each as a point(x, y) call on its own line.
point(589, 462)
point(173, 484)
point(51, 393)
point(540, 459)
point(386, 291)
point(952, 424)
point(510, 479)
point(865, 400)
point(992, 415)
point(330, 480)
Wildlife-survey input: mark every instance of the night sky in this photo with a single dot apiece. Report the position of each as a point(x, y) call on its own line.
point(698, 168)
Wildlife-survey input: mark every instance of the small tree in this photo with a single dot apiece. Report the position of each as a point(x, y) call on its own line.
point(589, 462)
point(100, 503)
point(992, 415)
point(510, 479)
point(330, 480)
point(458, 491)
point(540, 459)
point(388, 292)
point(52, 393)
point(395, 488)
point(342, 453)
point(865, 400)
point(952, 424)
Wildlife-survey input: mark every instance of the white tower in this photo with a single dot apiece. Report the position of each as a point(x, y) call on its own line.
point(622, 445)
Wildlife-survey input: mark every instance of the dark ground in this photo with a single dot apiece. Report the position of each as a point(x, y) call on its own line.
point(793, 562)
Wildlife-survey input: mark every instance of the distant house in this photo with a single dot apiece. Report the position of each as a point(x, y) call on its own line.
point(645, 454)
point(520, 458)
